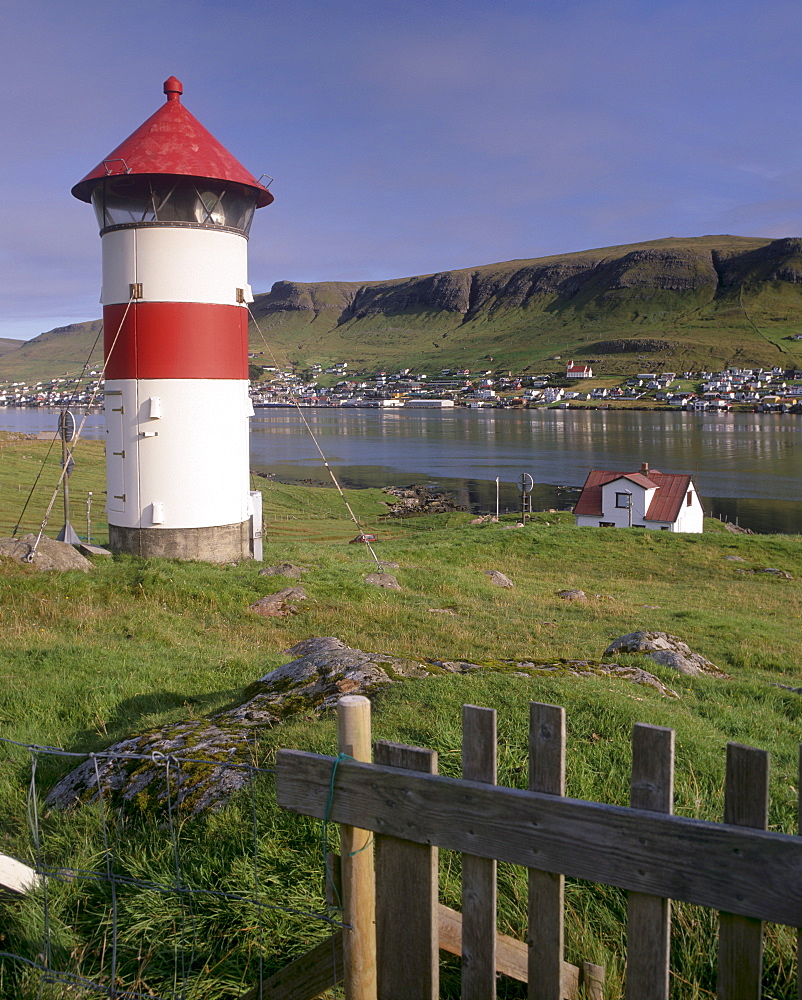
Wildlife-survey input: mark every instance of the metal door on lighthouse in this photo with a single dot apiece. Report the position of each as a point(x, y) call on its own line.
point(115, 451)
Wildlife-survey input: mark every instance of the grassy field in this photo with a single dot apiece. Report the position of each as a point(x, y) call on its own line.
point(87, 659)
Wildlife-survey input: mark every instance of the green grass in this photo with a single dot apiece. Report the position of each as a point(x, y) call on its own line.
point(87, 659)
point(29, 477)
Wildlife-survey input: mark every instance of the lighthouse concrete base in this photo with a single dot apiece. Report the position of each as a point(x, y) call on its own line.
point(219, 544)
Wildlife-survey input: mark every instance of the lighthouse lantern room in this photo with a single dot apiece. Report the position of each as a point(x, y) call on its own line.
point(174, 209)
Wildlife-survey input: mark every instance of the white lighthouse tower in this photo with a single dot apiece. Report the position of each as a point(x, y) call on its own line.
point(174, 209)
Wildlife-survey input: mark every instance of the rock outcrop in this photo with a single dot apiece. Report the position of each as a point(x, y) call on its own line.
point(385, 580)
point(140, 772)
point(279, 605)
point(198, 764)
point(290, 570)
point(322, 671)
point(665, 649)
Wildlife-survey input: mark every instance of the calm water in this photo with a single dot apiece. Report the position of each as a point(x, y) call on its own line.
point(746, 466)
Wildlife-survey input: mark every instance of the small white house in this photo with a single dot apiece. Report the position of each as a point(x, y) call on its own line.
point(661, 501)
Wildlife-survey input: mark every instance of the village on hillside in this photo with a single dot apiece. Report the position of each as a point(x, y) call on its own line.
point(764, 390)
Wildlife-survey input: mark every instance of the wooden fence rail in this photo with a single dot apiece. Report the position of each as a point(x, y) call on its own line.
point(747, 873)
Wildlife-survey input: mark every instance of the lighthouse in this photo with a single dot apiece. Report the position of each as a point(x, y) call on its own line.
point(174, 209)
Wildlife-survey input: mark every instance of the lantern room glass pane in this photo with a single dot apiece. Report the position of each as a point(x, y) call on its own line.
point(154, 199)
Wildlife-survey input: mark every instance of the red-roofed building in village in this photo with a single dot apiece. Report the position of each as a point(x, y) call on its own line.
point(578, 371)
point(646, 499)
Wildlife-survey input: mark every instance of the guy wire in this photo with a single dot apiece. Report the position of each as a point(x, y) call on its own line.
point(54, 438)
point(294, 401)
point(79, 431)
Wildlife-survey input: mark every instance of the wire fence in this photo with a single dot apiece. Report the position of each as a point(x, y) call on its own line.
point(131, 896)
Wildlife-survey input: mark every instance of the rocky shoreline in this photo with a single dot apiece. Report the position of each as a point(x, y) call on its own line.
point(416, 500)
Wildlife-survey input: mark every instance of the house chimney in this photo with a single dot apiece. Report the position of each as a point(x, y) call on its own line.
point(644, 468)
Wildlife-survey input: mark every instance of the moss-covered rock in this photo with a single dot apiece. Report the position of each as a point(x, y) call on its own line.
point(192, 765)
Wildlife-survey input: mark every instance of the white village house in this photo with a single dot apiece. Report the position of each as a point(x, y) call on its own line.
point(646, 499)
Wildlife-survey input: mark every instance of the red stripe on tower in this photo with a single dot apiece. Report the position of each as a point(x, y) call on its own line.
point(175, 340)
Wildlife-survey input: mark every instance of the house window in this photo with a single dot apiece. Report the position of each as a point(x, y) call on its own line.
point(606, 524)
point(623, 500)
point(689, 498)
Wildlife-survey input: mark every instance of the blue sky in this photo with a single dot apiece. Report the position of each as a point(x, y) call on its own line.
point(406, 138)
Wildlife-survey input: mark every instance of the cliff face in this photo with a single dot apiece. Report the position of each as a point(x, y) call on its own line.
point(573, 281)
point(295, 295)
point(780, 260)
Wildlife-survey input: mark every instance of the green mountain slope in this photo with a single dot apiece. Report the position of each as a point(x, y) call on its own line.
point(58, 352)
point(702, 302)
point(7, 344)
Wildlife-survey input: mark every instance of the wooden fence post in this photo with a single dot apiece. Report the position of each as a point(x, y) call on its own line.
point(546, 890)
point(740, 939)
point(358, 883)
point(479, 889)
point(407, 918)
point(592, 981)
point(649, 917)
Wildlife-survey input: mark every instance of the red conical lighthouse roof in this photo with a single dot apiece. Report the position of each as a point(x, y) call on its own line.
point(172, 141)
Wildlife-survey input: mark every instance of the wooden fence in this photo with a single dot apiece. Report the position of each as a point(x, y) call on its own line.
point(391, 939)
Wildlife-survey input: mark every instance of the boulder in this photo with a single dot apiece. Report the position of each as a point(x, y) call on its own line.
point(572, 595)
point(278, 605)
point(665, 649)
point(283, 569)
point(386, 580)
point(50, 554)
point(498, 578)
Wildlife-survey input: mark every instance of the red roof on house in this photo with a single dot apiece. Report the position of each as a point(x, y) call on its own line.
point(668, 500)
point(172, 141)
point(647, 482)
point(671, 490)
